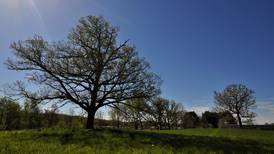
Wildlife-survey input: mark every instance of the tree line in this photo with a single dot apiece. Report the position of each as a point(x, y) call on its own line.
point(158, 113)
point(31, 116)
point(161, 113)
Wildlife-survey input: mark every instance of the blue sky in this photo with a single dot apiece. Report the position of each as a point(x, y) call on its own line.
point(196, 46)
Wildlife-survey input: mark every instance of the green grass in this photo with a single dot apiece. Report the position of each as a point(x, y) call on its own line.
point(134, 142)
point(232, 134)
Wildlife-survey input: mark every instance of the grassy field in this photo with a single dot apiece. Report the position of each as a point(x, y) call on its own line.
point(125, 141)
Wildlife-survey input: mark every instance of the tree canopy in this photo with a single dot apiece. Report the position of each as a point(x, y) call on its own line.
point(90, 69)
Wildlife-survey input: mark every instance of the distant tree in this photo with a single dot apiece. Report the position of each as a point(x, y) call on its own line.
point(135, 112)
point(10, 114)
point(165, 113)
point(69, 119)
point(99, 115)
point(51, 117)
point(226, 119)
point(210, 118)
point(237, 99)
point(66, 120)
point(31, 114)
point(157, 111)
point(174, 112)
point(218, 119)
point(90, 70)
point(99, 118)
point(190, 120)
point(116, 115)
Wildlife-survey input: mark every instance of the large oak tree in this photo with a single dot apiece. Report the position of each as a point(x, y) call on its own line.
point(90, 69)
point(237, 99)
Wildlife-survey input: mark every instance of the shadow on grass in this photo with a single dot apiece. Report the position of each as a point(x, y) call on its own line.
point(140, 139)
point(179, 142)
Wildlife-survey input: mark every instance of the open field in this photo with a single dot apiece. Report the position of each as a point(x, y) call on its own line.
point(126, 141)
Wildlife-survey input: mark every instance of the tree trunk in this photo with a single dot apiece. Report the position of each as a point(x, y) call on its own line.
point(141, 125)
point(118, 123)
point(239, 120)
point(90, 120)
point(136, 125)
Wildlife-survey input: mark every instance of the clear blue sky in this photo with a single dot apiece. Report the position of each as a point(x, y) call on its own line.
point(196, 46)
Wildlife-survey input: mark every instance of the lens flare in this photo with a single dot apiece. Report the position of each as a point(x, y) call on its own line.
point(37, 13)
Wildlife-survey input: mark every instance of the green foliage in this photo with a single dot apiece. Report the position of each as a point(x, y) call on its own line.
point(31, 117)
point(122, 141)
point(10, 115)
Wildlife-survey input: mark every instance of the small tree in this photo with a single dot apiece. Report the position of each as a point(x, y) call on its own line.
point(157, 111)
point(174, 112)
point(135, 112)
point(237, 99)
point(90, 70)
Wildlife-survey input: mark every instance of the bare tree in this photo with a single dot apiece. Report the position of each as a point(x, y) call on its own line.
point(157, 111)
point(165, 113)
point(237, 99)
point(135, 111)
point(90, 69)
point(116, 115)
point(174, 112)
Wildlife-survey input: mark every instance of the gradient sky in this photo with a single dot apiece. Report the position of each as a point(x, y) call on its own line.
point(196, 46)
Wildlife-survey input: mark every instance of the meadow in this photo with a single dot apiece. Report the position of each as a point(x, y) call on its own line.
point(128, 141)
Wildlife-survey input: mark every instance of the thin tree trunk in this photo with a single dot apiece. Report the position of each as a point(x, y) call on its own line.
point(118, 123)
point(136, 125)
point(141, 124)
point(239, 120)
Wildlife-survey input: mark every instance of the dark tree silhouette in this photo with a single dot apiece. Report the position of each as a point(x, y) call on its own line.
point(165, 113)
point(89, 70)
point(10, 116)
point(134, 112)
point(211, 118)
point(31, 114)
point(237, 99)
point(190, 120)
point(174, 113)
point(157, 110)
point(218, 119)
